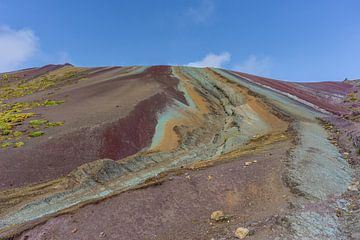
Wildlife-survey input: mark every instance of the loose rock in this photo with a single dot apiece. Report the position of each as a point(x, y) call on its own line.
point(354, 186)
point(241, 232)
point(217, 215)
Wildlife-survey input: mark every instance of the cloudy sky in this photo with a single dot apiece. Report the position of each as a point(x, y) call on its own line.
point(303, 40)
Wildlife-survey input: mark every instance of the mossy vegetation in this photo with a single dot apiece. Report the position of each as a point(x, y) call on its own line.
point(22, 88)
point(36, 134)
point(14, 116)
point(49, 103)
point(6, 132)
point(9, 119)
point(38, 122)
point(6, 144)
point(19, 144)
point(352, 97)
point(17, 134)
point(4, 79)
point(54, 124)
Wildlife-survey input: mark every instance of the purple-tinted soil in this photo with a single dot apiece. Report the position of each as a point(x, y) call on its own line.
point(114, 115)
point(131, 134)
point(35, 72)
point(314, 93)
point(180, 207)
point(113, 138)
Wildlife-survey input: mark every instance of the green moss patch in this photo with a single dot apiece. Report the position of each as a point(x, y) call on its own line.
point(6, 132)
point(38, 122)
point(49, 103)
point(19, 144)
point(6, 144)
point(22, 88)
point(17, 134)
point(14, 115)
point(36, 134)
point(54, 124)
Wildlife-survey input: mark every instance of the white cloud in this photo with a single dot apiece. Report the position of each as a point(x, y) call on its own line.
point(212, 60)
point(203, 12)
point(255, 65)
point(16, 47)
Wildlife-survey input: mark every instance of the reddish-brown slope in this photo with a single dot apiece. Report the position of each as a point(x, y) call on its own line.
point(314, 93)
point(106, 119)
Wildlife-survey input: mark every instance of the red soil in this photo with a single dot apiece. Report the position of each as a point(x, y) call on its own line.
point(83, 138)
point(306, 91)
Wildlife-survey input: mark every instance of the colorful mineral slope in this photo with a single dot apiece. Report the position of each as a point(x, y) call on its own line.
point(126, 128)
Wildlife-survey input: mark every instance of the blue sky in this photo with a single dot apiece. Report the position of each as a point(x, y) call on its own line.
point(307, 40)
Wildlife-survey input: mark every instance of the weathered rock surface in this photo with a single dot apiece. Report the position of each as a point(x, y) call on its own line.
point(149, 152)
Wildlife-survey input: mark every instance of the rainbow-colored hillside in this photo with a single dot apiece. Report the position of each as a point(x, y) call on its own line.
point(150, 152)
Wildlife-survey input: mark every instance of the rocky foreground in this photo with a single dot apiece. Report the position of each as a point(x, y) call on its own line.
point(176, 153)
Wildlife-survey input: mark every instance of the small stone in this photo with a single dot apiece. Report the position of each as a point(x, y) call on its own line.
point(102, 234)
point(74, 230)
point(241, 232)
point(339, 213)
point(217, 215)
point(248, 163)
point(210, 177)
point(255, 161)
point(354, 186)
point(256, 136)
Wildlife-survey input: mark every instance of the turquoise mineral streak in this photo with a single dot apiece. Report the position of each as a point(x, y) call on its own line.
point(163, 118)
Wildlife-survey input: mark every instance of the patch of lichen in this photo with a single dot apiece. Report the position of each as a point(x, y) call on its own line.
point(54, 124)
point(26, 88)
point(19, 144)
point(37, 122)
point(49, 103)
point(22, 88)
point(352, 97)
point(14, 115)
point(36, 134)
point(9, 119)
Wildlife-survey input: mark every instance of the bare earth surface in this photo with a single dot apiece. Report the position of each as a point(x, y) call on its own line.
point(152, 152)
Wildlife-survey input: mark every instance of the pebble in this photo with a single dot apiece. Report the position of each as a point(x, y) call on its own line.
point(74, 230)
point(354, 186)
point(241, 232)
point(217, 215)
point(248, 163)
point(102, 234)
